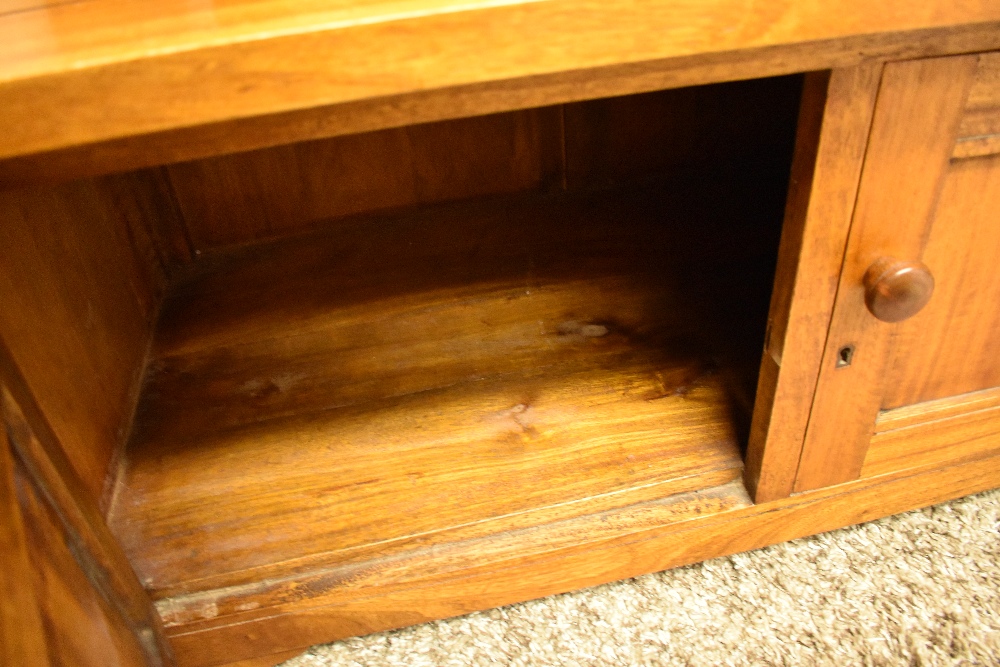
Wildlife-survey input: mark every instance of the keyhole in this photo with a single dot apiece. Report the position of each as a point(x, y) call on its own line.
point(844, 356)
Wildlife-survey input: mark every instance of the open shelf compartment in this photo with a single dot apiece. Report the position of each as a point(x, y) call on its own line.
point(461, 380)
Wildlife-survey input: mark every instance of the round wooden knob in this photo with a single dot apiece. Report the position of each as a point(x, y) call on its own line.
point(896, 290)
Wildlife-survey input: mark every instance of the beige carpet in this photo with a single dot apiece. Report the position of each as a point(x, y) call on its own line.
point(922, 588)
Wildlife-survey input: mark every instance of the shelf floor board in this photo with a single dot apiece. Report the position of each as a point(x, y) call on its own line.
point(421, 379)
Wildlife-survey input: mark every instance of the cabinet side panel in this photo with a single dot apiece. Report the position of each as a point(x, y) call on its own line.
point(79, 628)
point(22, 635)
point(60, 520)
point(80, 284)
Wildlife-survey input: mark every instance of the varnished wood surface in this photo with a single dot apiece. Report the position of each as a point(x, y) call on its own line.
point(979, 132)
point(92, 606)
point(952, 406)
point(936, 212)
point(952, 348)
point(246, 59)
point(243, 134)
point(897, 290)
point(916, 119)
point(81, 526)
point(80, 284)
point(832, 138)
point(22, 631)
point(935, 433)
point(404, 376)
point(280, 191)
point(81, 629)
point(702, 525)
point(478, 546)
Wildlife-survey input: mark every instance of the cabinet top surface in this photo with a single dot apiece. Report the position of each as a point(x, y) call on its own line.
point(126, 67)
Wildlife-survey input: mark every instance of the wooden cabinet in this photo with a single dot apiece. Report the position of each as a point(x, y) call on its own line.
point(922, 198)
point(923, 194)
point(322, 367)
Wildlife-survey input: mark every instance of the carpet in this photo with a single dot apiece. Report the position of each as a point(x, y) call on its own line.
point(920, 588)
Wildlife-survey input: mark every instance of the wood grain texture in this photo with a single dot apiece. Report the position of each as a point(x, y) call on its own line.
point(277, 192)
point(254, 132)
point(22, 632)
point(476, 545)
point(280, 191)
point(711, 523)
point(490, 454)
point(81, 629)
point(952, 406)
point(982, 109)
point(979, 132)
point(977, 146)
point(833, 127)
point(474, 349)
point(913, 131)
point(950, 430)
point(952, 348)
point(80, 286)
point(249, 605)
point(47, 467)
point(261, 58)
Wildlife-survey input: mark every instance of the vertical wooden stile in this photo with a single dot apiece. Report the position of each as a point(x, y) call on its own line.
point(830, 148)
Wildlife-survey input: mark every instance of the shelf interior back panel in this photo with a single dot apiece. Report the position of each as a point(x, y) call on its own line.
point(468, 368)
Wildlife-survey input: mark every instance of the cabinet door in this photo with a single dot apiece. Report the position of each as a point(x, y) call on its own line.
point(902, 386)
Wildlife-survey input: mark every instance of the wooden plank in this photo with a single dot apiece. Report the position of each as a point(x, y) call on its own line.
point(980, 123)
point(81, 628)
point(952, 406)
point(157, 216)
point(726, 523)
point(79, 290)
point(977, 146)
point(979, 132)
point(913, 132)
point(985, 92)
point(260, 58)
point(280, 191)
point(51, 475)
point(436, 461)
point(236, 135)
point(472, 350)
point(951, 347)
point(833, 130)
point(530, 533)
point(22, 633)
point(982, 109)
point(242, 134)
point(943, 435)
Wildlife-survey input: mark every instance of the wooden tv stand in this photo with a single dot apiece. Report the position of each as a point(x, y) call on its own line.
point(321, 319)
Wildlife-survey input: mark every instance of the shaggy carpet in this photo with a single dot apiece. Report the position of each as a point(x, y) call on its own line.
point(921, 588)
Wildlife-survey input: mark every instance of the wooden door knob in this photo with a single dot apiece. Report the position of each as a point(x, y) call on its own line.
point(896, 290)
